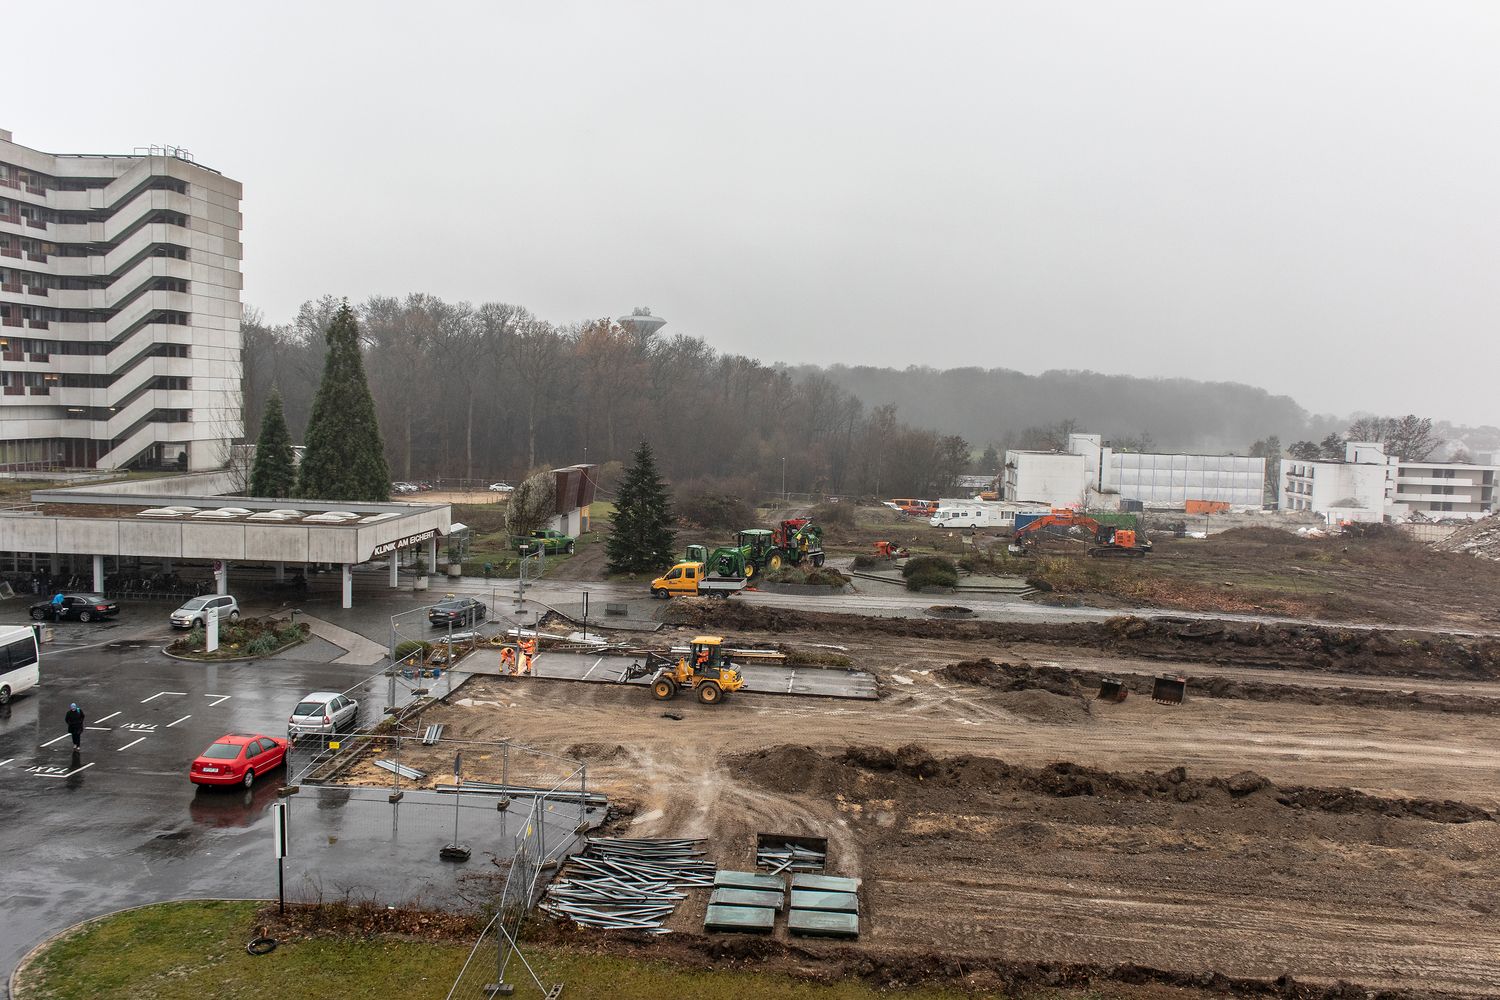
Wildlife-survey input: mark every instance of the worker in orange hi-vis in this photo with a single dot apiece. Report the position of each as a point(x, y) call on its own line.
point(528, 651)
point(507, 660)
point(703, 657)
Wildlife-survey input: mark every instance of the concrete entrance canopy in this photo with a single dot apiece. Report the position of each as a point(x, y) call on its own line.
point(96, 522)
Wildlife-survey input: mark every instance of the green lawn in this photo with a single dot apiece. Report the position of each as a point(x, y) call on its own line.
point(196, 951)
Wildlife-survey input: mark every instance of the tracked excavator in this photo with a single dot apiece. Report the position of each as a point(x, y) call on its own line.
point(1108, 540)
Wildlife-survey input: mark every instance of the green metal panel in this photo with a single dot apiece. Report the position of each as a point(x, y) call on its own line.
point(751, 880)
point(748, 919)
point(816, 899)
point(826, 883)
point(747, 897)
point(820, 923)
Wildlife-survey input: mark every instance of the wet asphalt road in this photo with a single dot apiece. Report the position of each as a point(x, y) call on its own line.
point(119, 823)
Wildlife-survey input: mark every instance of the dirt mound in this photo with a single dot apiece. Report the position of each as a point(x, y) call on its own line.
point(1047, 707)
point(596, 751)
point(1020, 676)
point(1218, 686)
point(1378, 652)
point(907, 969)
point(882, 772)
point(1482, 538)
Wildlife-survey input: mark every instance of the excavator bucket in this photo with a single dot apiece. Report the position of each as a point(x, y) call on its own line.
point(1169, 690)
point(1112, 689)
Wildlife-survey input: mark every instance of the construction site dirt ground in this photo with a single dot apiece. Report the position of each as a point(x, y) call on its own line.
point(997, 813)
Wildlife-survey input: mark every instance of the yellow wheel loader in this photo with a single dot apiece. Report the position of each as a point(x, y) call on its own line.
point(706, 670)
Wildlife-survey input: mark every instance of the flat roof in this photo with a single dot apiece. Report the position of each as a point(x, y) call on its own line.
point(100, 522)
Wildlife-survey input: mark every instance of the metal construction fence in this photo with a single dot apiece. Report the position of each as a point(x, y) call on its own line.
point(373, 815)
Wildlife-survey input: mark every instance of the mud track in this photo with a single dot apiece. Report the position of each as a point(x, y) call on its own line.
point(1318, 647)
point(1083, 683)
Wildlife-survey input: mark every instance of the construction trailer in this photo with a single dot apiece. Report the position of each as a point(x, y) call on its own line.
point(981, 514)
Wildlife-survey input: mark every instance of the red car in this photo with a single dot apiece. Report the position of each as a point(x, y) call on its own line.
point(237, 759)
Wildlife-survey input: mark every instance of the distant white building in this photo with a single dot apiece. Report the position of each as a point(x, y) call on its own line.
point(1058, 479)
point(1091, 473)
point(1369, 485)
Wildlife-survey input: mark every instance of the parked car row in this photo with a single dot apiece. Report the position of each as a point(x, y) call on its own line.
point(241, 758)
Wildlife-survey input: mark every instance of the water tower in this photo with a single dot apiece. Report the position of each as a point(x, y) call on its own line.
point(640, 324)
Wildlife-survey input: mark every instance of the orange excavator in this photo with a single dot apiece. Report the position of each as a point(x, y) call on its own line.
point(1108, 539)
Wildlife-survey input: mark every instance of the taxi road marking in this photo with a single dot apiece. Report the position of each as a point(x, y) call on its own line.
point(160, 693)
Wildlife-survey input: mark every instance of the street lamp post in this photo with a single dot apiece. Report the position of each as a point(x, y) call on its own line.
point(783, 479)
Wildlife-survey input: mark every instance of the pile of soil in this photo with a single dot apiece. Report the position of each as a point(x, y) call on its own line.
point(869, 772)
point(1042, 694)
point(1218, 686)
point(912, 968)
point(1377, 652)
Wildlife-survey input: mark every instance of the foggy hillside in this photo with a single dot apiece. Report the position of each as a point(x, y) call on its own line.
point(997, 404)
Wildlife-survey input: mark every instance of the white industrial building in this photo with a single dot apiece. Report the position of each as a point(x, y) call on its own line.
point(1369, 485)
point(119, 310)
point(1091, 473)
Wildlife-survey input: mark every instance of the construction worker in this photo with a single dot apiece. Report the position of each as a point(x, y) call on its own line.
point(702, 660)
point(528, 651)
point(507, 660)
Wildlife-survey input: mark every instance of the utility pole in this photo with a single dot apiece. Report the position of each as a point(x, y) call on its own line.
point(783, 479)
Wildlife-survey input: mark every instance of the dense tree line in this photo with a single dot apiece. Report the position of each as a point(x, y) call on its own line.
point(492, 391)
point(1015, 410)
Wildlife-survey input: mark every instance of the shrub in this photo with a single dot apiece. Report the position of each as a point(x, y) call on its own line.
point(834, 515)
point(932, 576)
point(863, 561)
point(409, 646)
point(923, 564)
point(715, 511)
point(262, 645)
point(290, 634)
point(197, 638)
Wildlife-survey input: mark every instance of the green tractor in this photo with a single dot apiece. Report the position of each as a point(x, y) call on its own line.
point(754, 552)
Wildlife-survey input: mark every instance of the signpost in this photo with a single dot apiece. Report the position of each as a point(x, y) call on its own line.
point(211, 625)
point(456, 851)
point(278, 831)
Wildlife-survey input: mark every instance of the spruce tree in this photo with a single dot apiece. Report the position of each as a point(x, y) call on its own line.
point(642, 539)
point(345, 459)
point(274, 474)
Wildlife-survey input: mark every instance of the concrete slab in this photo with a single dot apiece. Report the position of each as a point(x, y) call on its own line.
point(825, 883)
point(818, 923)
point(724, 878)
point(816, 899)
point(745, 919)
point(747, 897)
point(759, 678)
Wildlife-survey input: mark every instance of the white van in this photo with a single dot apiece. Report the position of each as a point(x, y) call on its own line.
point(973, 514)
point(20, 660)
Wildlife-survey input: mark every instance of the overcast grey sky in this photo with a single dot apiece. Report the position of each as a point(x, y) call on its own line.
point(1303, 196)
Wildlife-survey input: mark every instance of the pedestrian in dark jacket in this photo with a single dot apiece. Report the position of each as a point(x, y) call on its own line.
point(74, 720)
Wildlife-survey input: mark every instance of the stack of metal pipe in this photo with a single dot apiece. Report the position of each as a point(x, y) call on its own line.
point(789, 857)
point(617, 884)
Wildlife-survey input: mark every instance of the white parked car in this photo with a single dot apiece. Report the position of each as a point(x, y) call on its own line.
point(322, 713)
point(193, 612)
point(501, 488)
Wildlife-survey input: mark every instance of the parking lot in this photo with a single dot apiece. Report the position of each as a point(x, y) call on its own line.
point(118, 823)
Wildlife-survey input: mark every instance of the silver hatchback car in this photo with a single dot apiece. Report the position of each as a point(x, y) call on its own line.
point(322, 713)
point(195, 611)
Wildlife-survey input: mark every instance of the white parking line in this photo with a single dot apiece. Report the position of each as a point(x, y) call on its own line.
point(111, 715)
point(159, 694)
point(6, 761)
point(591, 669)
point(130, 744)
point(106, 729)
point(222, 698)
point(69, 774)
point(791, 678)
point(50, 742)
point(183, 719)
